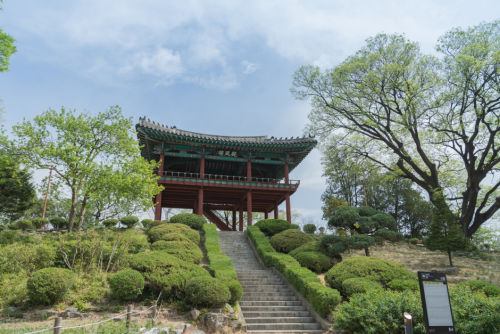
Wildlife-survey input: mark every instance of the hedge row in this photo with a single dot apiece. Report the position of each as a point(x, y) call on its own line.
point(322, 298)
point(220, 265)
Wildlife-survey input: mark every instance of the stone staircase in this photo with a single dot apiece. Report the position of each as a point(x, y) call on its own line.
point(268, 305)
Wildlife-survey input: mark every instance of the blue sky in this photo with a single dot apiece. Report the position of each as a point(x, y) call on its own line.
point(219, 67)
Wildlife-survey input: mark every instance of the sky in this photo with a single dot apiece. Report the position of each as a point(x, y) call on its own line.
point(217, 67)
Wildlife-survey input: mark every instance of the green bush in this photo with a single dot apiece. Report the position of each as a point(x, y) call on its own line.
point(161, 232)
point(13, 226)
point(235, 289)
point(46, 286)
point(299, 277)
point(403, 285)
point(207, 291)
point(406, 241)
point(488, 289)
point(129, 221)
point(146, 222)
point(289, 240)
point(192, 220)
point(156, 223)
point(111, 222)
point(374, 269)
point(352, 286)
point(280, 261)
point(58, 222)
point(295, 226)
point(260, 241)
point(127, 284)
point(272, 227)
point(139, 244)
point(309, 228)
point(164, 271)
point(315, 261)
point(40, 222)
point(18, 257)
point(323, 299)
point(414, 241)
point(2, 228)
point(183, 249)
point(24, 224)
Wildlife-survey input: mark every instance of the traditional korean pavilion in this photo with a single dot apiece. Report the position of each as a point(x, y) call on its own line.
point(211, 173)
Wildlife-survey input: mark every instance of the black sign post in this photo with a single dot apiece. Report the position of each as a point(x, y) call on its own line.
point(436, 303)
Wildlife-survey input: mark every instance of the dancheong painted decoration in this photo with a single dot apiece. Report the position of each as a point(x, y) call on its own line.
point(211, 173)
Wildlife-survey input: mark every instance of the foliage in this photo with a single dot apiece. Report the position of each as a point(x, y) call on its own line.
point(374, 269)
point(58, 222)
point(156, 223)
point(97, 157)
point(261, 243)
point(190, 219)
point(184, 249)
point(445, 234)
point(39, 222)
point(288, 240)
point(487, 238)
point(295, 226)
point(129, 221)
point(316, 246)
point(280, 261)
point(165, 272)
point(488, 289)
point(272, 227)
point(207, 291)
point(24, 224)
point(13, 289)
point(127, 284)
point(16, 188)
point(315, 261)
point(146, 222)
point(26, 258)
point(46, 286)
point(309, 228)
point(414, 241)
point(355, 285)
point(323, 299)
point(403, 285)
point(162, 231)
point(9, 237)
point(111, 222)
point(331, 204)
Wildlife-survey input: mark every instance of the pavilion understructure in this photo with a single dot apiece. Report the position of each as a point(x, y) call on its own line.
point(212, 173)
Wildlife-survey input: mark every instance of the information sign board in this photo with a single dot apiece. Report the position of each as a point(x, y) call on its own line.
point(436, 303)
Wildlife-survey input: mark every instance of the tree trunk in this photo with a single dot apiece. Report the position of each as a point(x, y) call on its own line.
point(82, 212)
point(449, 256)
point(72, 212)
point(367, 251)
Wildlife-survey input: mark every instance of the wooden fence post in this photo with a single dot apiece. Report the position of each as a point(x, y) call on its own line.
point(154, 311)
point(129, 316)
point(57, 325)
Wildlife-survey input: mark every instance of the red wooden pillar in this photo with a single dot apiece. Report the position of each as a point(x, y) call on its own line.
point(276, 213)
point(202, 167)
point(286, 173)
point(266, 215)
point(200, 202)
point(158, 206)
point(241, 217)
point(288, 210)
point(249, 170)
point(249, 209)
point(234, 219)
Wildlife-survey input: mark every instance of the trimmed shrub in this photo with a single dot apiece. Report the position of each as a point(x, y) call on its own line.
point(24, 224)
point(295, 226)
point(272, 227)
point(129, 221)
point(192, 220)
point(146, 222)
point(374, 269)
point(127, 284)
point(489, 289)
point(260, 241)
point(49, 285)
point(323, 299)
point(13, 226)
point(207, 291)
point(309, 228)
point(2, 227)
point(185, 250)
point(315, 261)
point(299, 277)
point(58, 222)
point(403, 285)
point(352, 286)
point(289, 240)
point(157, 223)
point(235, 289)
point(280, 261)
point(163, 231)
point(39, 222)
point(164, 271)
point(414, 241)
point(313, 246)
point(111, 222)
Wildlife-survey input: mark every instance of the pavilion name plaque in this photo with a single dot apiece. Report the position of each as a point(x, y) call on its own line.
point(436, 303)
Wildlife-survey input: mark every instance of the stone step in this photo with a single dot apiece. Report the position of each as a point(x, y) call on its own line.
point(257, 277)
point(267, 293)
point(264, 298)
point(317, 331)
point(279, 320)
point(271, 308)
point(260, 282)
point(284, 327)
point(257, 314)
point(271, 288)
point(270, 303)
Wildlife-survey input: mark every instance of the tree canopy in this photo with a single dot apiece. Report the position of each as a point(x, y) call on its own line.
point(434, 121)
point(7, 49)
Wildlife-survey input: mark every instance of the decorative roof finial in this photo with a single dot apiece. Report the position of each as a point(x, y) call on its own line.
point(149, 120)
point(174, 127)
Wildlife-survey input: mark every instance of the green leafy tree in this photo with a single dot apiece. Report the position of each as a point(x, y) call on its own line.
point(433, 121)
point(7, 49)
point(309, 228)
point(88, 153)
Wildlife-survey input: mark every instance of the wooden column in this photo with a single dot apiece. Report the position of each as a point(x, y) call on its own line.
point(202, 167)
point(162, 163)
point(276, 213)
point(234, 219)
point(200, 202)
point(288, 210)
point(241, 217)
point(158, 206)
point(266, 215)
point(249, 209)
point(249, 170)
point(286, 173)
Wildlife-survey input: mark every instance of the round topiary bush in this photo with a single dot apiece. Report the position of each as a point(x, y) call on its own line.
point(414, 241)
point(57, 222)
point(156, 223)
point(24, 224)
point(207, 291)
point(129, 221)
point(359, 285)
point(165, 272)
point(295, 226)
point(372, 268)
point(12, 226)
point(272, 227)
point(111, 222)
point(313, 246)
point(161, 232)
point(146, 222)
point(403, 285)
point(180, 247)
point(190, 219)
point(309, 228)
point(40, 222)
point(315, 261)
point(289, 240)
point(46, 286)
point(235, 289)
point(127, 284)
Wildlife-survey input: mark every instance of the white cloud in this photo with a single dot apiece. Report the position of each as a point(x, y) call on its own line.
point(249, 67)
